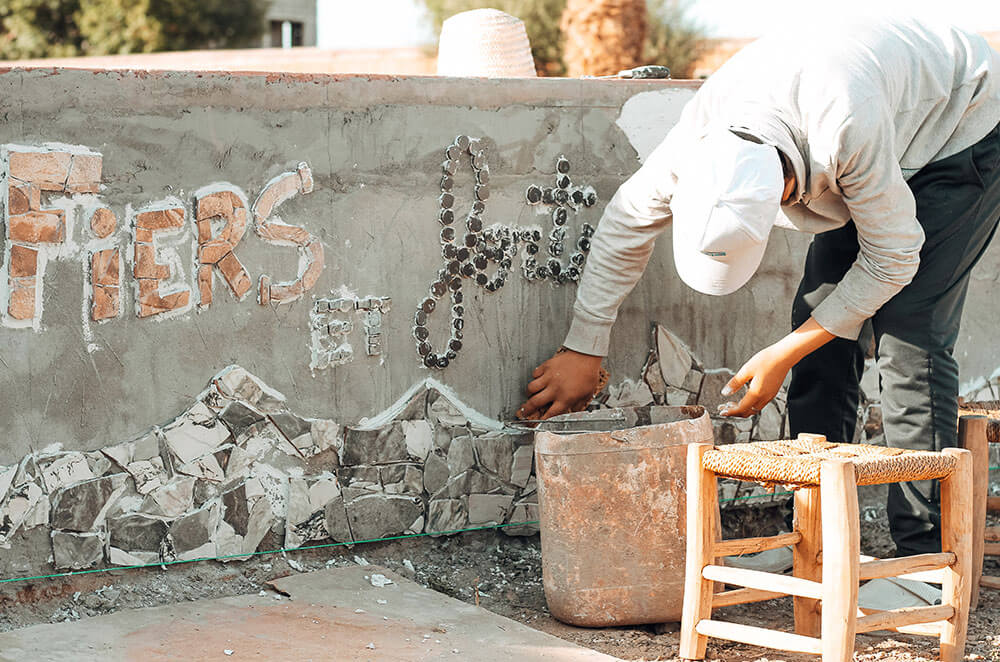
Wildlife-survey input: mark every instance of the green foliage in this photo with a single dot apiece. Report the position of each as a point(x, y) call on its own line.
point(673, 39)
point(62, 28)
point(541, 21)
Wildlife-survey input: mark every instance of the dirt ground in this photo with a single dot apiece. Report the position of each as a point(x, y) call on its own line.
point(501, 573)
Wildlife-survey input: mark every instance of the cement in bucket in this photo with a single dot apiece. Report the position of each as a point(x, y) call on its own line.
point(611, 488)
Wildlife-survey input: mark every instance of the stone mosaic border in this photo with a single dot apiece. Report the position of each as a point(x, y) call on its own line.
point(238, 472)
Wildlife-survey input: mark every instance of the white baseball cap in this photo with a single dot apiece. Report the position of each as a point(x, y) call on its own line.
point(726, 201)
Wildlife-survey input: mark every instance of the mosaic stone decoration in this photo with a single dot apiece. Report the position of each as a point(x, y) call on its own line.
point(331, 324)
point(469, 248)
point(239, 471)
point(563, 198)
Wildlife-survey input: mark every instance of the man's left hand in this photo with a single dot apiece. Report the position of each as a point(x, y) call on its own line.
point(765, 372)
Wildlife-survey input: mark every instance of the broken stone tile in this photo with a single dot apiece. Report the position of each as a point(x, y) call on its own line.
point(237, 383)
point(274, 484)
point(235, 510)
point(445, 515)
point(337, 525)
point(6, 480)
point(359, 476)
point(629, 394)
point(693, 381)
point(239, 466)
point(189, 439)
point(137, 533)
point(436, 472)
point(38, 514)
point(20, 504)
point(121, 454)
point(770, 424)
point(147, 474)
point(98, 463)
point(310, 530)
point(523, 513)
point(171, 500)
point(121, 557)
point(146, 447)
point(65, 470)
point(380, 515)
point(291, 426)
point(489, 508)
point(261, 521)
point(386, 444)
point(419, 438)
point(76, 551)
point(677, 397)
point(416, 408)
point(238, 417)
point(206, 467)
point(494, 453)
point(194, 530)
point(326, 434)
point(205, 491)
point(521, 465)
point(471, 482)
point(441, 411)
point(675, 357)
point(77, 507)
point(228, 544)
point(402, 479)
point(461, 455)
point(652, 376)
point(711, 390)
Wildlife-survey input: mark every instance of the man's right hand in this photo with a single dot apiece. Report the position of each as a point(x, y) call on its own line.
point(564, 383)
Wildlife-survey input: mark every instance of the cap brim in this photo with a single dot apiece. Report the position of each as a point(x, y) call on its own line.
point(708, 274)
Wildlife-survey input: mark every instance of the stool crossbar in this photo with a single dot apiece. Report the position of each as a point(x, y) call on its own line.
point(826, 546)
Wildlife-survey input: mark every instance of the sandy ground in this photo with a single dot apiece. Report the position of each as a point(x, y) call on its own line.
point(500, 573)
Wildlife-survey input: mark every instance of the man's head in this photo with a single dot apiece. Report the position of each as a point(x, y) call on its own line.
point(726, 201)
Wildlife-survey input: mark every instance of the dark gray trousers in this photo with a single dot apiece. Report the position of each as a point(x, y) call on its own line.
point(958, 205)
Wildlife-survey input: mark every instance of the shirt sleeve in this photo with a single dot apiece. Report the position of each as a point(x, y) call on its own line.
point(620, 249)
point(884, 212)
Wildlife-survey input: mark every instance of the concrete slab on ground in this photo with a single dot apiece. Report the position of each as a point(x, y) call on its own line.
point(336, 614)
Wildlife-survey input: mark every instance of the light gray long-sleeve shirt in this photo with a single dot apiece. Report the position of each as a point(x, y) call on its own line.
point(858, 108)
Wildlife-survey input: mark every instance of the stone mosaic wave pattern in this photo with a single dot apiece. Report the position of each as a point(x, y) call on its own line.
point(239, 472)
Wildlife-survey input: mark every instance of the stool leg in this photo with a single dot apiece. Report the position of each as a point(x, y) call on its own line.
point(806, 559)
point(841, 551)
point(972, 437)
point(702, 509)
point(956, 537)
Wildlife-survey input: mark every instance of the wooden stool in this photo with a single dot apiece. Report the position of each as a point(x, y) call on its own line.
point(978, 427)
point(826, 544)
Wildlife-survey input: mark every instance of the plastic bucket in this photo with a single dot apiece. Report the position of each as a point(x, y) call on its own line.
point(611, 486)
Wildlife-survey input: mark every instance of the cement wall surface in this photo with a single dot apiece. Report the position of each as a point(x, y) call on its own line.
point(161, 227)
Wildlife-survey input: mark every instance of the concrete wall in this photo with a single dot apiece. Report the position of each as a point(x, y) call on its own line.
point(160, 227)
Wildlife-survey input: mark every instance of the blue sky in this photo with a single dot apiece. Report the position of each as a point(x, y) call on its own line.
point(396, 23)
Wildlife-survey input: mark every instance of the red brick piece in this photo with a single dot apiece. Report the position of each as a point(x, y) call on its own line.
point(103, 222)
point(22, 299)
point(152, 303)
point(161, 219)
point(106, 303)
point(17, 201)
point(38, 227)
point(104, 267)
point(205, 286)
point(145, 265)
point(211, 252)
point(48, 170)
point(84, 174)
point(23, 261)
point(235, 274)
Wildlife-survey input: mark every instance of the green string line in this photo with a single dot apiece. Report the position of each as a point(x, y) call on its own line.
point(336, 544)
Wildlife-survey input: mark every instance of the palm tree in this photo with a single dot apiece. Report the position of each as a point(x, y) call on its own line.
point(602, 37)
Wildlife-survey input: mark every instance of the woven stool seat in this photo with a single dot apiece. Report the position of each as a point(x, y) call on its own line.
point(989, 409)
point(797, 462)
